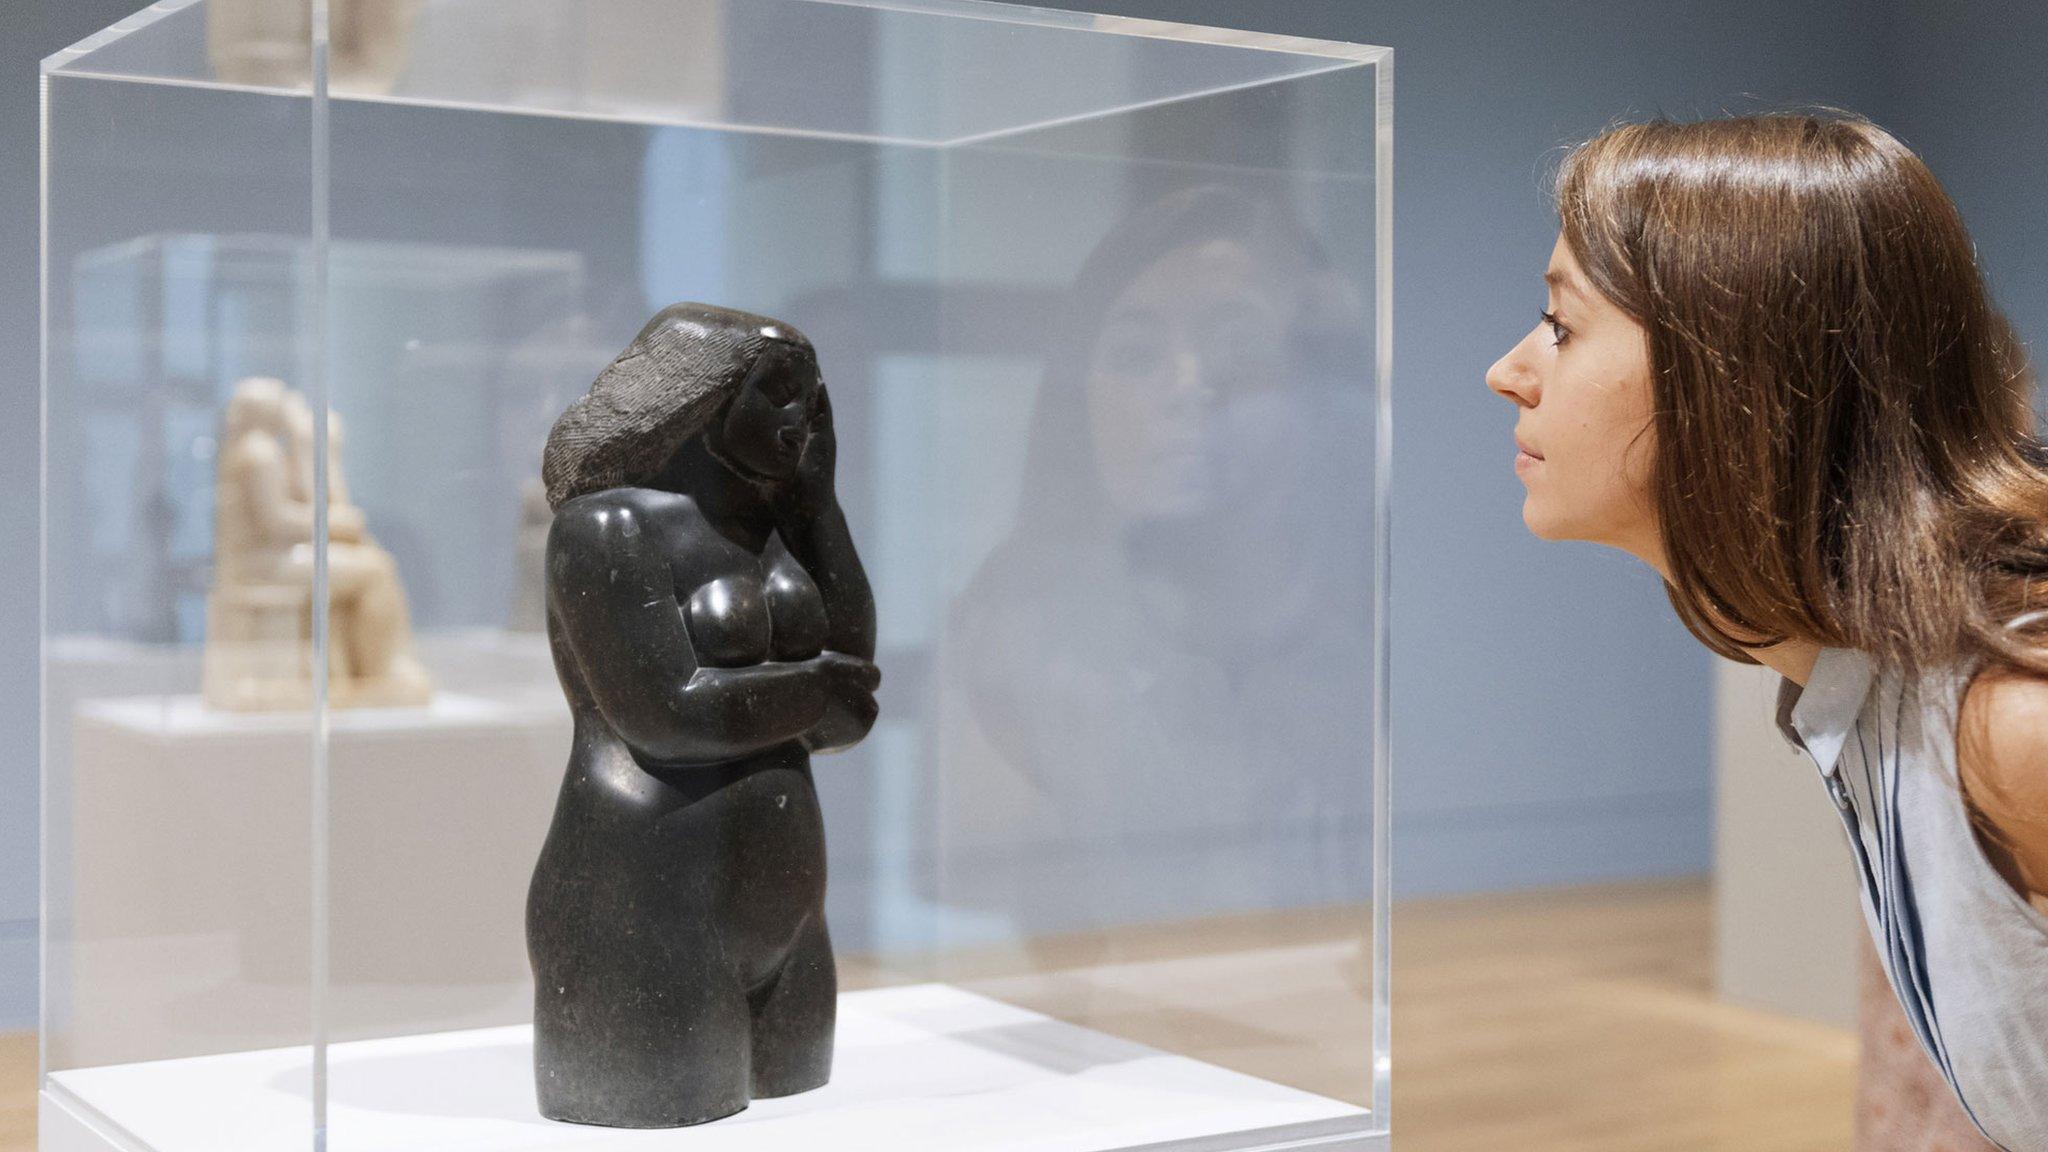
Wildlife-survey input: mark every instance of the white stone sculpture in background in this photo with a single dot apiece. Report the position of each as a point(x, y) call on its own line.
point(259, 610)
point(268, 42)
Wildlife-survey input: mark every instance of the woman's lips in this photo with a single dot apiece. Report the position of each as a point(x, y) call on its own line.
point(1524, 461)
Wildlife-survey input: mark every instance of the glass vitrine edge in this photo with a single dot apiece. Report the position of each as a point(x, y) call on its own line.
point(43, 840)
point(71, 73)
point(991, 10)
point(1132, 26)
point(319, 789)
point(84, 1112)
point(1355, 1132)
point(608, 117)
point(1140, 105)
point(584, 114)
point(121, 29)
point(1383, 453)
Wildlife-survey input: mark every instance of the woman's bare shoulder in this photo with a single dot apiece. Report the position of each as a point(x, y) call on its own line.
point(2002, 759)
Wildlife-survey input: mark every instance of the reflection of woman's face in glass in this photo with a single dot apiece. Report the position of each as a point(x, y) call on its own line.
point(1199, 328)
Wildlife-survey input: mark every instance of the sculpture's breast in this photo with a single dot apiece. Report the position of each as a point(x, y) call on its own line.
point(736, 621)
point(796, 612)
point(728, 622)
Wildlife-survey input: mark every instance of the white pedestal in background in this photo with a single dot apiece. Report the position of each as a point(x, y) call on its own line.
point(1786, 920)
point(926, 1066)
point(191, 898)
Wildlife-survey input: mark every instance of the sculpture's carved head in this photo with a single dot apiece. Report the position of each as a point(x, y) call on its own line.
point(762, 430)
point(257, 405)
point(747, 383)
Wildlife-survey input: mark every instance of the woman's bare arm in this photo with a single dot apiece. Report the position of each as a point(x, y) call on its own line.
point(2002, 758)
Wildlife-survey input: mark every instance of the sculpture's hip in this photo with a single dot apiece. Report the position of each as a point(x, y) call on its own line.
point(638, 862)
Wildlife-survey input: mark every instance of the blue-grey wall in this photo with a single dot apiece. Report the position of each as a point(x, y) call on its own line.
point(1551, 719)
point(1971, 103)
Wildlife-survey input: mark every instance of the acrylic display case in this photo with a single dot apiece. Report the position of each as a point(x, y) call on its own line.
point(1103, 305)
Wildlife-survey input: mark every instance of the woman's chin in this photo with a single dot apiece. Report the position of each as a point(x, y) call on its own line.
point(1541, 524)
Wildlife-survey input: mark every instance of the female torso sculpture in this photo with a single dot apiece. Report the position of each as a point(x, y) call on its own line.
point(712, 627)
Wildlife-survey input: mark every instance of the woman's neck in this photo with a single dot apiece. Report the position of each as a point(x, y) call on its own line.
point(1792, 659)
point(737, 507)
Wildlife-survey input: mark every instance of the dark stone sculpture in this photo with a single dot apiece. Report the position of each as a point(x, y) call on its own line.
point(712, 628)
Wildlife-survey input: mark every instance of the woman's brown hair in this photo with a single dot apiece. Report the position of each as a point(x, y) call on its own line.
point(1845, 447)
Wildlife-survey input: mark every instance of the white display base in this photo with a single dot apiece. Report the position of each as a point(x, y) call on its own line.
point(926, 1066)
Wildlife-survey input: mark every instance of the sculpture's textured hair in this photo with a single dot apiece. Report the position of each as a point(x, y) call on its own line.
point(1845, 447)
point(664, 388)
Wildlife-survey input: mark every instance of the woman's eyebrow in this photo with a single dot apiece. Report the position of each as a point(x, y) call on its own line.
point(1560, 279)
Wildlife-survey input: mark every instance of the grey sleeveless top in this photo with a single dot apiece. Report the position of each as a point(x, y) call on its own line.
point(1966, 955)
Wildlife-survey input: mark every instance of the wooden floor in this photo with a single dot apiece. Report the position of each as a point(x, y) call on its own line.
point(18, 1092)
point(1585, 1020)
point(1578, 1020)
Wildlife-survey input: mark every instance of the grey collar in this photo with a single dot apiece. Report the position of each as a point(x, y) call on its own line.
point(1820, 716)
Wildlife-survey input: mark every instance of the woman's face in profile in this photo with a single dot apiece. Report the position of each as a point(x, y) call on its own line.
point(1580, 382)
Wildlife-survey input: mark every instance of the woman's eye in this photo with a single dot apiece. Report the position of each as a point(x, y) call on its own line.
point(1558, 332)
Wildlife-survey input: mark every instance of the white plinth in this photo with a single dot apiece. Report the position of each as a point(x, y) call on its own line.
point(926, 1066)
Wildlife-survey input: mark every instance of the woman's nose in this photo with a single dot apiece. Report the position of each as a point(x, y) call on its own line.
point(1513, 379)
point(1190, 380)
